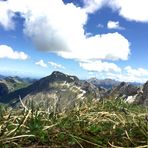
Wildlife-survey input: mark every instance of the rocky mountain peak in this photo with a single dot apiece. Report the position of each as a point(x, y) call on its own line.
point(56, 77)
point(59, 76)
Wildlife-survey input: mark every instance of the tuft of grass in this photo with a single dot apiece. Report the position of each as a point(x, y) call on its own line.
point(95, 124)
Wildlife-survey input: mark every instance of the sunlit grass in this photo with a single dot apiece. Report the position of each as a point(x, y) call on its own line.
point(96, 124)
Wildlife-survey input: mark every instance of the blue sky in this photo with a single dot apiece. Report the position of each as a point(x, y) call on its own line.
point(87, 38)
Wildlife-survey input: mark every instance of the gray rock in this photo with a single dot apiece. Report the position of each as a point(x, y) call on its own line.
point(145, 93)
point(123, 89)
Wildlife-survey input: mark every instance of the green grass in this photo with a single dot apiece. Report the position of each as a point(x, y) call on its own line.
point(97, 124)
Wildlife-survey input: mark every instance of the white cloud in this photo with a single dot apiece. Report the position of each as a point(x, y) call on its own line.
point(130, 74)
point(103, 70)
point(114, 25)
point(99, 47)
point(55, 65)
point(6, 16)
point(139, 72)
point(122, 77)
point(91, 6)
point(133, 10)
point(41, 63)
point(8, 52)
point(57, 27)
point(60, 28)
point(99, 66)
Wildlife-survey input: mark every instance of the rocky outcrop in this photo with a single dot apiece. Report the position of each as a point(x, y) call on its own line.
point(130, 93)
point(123, 89)
point(126, 91)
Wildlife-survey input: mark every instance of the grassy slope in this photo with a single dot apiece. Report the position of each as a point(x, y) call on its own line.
point(97, 124)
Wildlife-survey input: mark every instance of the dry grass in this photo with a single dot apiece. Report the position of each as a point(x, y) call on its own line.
point(96, 124)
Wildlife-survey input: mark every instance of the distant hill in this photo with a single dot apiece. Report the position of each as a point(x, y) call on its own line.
point(9, 84)
point(106, 83)
point(109, 83)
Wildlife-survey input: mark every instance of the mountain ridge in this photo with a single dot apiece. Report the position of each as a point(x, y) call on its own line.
point(108, 83)
point(66, 91)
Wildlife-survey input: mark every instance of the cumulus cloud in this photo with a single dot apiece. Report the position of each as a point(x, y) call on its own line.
point(91, 6)
point(114, 25)
point(55, 65)
point(41, 63)
point(130, 74)
point(99, 66)
point(6, 16)
point(139, 72)
point(133, 10)
point(8, 52)
point(100, 47)
point(59, 28)
point(110, 70)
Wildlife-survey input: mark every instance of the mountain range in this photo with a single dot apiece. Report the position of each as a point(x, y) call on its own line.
point(14, 83)
point(58, 89)
point(109, 83)
point(106, 83)
point(60, 92)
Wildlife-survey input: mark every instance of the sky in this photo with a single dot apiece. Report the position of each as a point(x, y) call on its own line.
point(86, 38)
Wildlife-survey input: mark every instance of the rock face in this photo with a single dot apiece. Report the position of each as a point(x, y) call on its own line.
point(57, 92)
point(130, 93)
point(126, 91)
point(145, 94)
point(123, 89)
